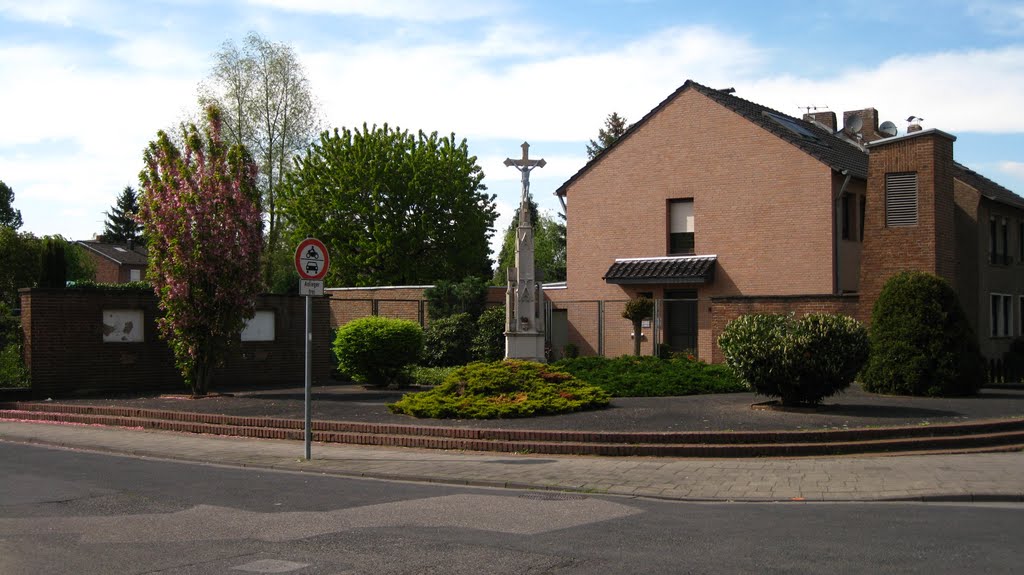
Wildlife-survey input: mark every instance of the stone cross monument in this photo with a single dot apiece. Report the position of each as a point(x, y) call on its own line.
point(524, 302)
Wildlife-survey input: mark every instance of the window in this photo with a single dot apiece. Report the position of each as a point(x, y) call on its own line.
point(998, 240)
point(260, 327)
point(680, 236)
point(1001, 316)
point(847, 216)
point(1020, 324)
point(135, 275)
point(863, 210)
point(1020, 242)
point(900, 200)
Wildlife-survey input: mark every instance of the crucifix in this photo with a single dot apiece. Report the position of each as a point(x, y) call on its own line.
point(525, 165)
point(524, 304)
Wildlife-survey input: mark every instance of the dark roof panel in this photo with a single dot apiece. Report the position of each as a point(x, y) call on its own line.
point(986, 187)
point(118, 253)
point(676, 270)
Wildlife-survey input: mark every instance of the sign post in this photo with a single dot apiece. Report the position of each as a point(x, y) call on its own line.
point(312, 263)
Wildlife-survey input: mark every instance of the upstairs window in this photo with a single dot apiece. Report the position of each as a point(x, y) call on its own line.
point(900, 200)
point(998, 240)
point(680, 232)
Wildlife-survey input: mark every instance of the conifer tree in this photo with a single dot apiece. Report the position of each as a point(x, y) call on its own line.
point(614, 126)
point(121, 226)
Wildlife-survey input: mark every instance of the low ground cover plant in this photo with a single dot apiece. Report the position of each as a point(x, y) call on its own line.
point(648, 376)
point(430, 376)
point(921, 341)
point(379, 351)
point(503, 389)
point(800, 361)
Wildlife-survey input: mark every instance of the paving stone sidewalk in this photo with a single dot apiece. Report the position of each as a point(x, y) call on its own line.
point(963, 477)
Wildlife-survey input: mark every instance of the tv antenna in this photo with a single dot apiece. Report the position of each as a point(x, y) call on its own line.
point(809, 109)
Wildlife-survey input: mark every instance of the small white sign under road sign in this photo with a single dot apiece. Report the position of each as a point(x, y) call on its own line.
point(311, 287)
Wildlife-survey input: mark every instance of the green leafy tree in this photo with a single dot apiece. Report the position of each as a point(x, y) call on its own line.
point(267, 106)
point(53, 272)
point(447, 298)
point(121, 225)
point(548, 248)
point(614, 126)
point(393, 208)
point(20, 254)
point(201, 216)
point(9, 217)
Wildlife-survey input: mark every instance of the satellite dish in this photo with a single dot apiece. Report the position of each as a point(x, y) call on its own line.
point(856, 123)
point(887, 128)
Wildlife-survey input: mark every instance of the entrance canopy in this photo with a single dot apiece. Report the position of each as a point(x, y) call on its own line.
point(664, 270)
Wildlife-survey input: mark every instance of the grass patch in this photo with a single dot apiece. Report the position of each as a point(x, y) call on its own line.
point(648, 376)
point(502, 389)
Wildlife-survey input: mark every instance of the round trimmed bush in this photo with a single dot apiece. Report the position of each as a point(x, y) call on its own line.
point(448, 340)
point(509, 388)
point(921, 341)
point(799, 361)
point(378, 350)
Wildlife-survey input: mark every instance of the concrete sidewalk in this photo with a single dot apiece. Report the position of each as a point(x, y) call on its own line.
point(963, 477)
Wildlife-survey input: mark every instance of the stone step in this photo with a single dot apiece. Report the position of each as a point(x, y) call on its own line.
point(540, 444)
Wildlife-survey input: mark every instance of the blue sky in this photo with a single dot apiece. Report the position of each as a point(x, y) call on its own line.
point(87, 84)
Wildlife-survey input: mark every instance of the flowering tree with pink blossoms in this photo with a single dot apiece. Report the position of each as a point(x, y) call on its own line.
point(199, 206)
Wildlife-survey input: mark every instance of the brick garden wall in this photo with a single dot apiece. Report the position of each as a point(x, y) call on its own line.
point(65, 352)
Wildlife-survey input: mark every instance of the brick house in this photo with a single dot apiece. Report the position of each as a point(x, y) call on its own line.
point(117, 263)
point(718, 206)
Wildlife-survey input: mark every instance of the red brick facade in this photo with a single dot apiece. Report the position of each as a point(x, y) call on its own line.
point(65, 352)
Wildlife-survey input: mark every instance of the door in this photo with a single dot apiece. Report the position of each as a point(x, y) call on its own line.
point(681, 320)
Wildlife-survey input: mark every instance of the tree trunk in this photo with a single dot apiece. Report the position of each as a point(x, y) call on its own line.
point(637, 336)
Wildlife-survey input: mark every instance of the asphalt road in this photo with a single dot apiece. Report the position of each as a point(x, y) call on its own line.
point(64, 512)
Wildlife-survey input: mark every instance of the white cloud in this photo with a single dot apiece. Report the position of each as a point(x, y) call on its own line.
point(416, 10)
point(977, 90)
point(1013, 169)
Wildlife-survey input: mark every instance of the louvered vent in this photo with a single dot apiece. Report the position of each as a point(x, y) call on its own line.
point(900, 200)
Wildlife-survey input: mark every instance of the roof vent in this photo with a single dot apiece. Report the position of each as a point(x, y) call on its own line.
point(915, 124)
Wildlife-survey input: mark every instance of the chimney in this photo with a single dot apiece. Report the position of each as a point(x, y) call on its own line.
point(827, 119)
point(869, 124)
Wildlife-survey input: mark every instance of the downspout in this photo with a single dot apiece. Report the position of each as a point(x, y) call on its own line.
point(561, 200)
point(837, 229)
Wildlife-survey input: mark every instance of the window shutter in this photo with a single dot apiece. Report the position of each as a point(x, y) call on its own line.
point(900, 200)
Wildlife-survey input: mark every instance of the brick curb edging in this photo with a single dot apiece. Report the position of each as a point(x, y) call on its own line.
point(991, 434)
point(298, 468)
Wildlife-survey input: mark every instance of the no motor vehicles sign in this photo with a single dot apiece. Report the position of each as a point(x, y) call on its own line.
point(311, 259)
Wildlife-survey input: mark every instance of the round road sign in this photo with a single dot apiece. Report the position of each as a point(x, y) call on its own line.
point(311, 260)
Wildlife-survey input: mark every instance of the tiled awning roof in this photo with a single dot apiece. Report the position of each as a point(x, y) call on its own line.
point(667, 270)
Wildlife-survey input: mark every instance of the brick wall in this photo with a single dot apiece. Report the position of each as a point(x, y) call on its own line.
point(761, 205)
point(65, 352)
point(726, 309)
point(400, 302)
point(928, 246)
point(106, 270)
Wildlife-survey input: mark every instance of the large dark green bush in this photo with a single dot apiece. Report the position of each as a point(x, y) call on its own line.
point(489, 341)
point(508, 388)
point(800, 361)
point(448, 340)
point(648, 376)
point(921, 341)
point(378, 351)
point(12, 369)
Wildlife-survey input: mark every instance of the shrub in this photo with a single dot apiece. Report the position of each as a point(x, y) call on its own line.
point(921, 342)
point(448, 340)
point(508, 388)
point(647, 376)
point(430, 376)
point(489, 341)
point(12, 370)
point(377, 350)
point(570, 351)
point(799, 361)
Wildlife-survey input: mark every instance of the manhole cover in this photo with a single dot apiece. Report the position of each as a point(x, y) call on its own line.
point(552, 496)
